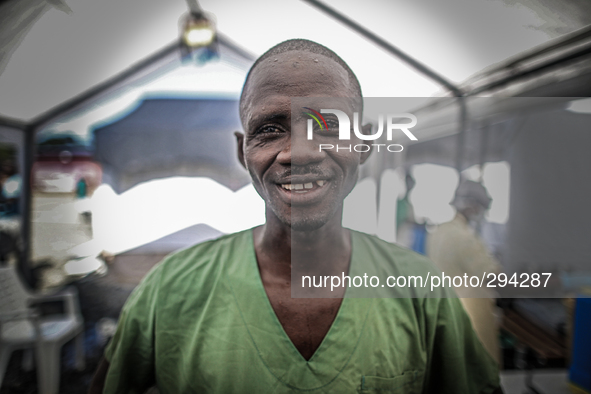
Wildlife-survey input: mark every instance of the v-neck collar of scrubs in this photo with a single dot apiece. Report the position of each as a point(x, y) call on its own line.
point(275, 348)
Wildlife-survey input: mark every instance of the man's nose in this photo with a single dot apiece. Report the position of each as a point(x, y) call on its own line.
point(299, 150)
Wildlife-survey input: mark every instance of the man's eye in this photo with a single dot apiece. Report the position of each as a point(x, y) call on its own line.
point(268, 130)
point(332, 124)
point(331, 127)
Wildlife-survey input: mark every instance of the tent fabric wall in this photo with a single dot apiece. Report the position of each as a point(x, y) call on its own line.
point(443, 151)
point(172, 137)
point(550, 213)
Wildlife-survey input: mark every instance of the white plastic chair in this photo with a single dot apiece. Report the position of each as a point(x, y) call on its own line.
point(21, 327)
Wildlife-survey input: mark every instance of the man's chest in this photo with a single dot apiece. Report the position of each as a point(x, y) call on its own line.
point(237, 336)
point(306, 321)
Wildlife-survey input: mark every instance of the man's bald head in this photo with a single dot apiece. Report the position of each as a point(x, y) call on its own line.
point(302, 46)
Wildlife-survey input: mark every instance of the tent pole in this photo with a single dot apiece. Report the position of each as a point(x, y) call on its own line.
point(423, 69)
point(26, 267)
point(483, 150)
point(461, 141)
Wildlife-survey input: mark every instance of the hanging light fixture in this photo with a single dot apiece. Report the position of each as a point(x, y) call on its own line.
point(198, 43)
point(197, 27)
point(198, 30)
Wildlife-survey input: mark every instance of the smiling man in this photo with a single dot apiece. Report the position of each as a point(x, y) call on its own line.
point(219, 317)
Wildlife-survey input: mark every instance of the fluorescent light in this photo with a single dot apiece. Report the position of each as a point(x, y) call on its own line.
point(198, 36)
point(198, 30)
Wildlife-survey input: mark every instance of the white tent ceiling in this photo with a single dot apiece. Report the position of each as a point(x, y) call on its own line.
point(51, 53)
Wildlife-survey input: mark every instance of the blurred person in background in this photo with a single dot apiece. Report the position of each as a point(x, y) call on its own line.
point(456, 249)
point(219, 317)
point(409, 233)
point(405, 215)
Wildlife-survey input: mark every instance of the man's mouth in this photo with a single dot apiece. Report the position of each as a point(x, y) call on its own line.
point(301, 188)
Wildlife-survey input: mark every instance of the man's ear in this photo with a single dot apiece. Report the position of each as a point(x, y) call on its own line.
point(240, 142)
point(366, 129)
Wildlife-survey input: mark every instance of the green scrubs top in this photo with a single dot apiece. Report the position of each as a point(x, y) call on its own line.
point(201, 322)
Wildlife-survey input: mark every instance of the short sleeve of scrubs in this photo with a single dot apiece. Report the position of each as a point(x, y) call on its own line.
point(131, 351)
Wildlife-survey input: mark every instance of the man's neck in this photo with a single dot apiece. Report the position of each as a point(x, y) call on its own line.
point(282, 251)
point(284, 256)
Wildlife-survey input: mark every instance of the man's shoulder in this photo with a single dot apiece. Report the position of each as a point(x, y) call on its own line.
point(402, 259)
point(392, 249)
point(209, 255)
point(210, 246)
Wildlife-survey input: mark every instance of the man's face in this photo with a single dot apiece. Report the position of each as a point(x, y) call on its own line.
point(302, 186)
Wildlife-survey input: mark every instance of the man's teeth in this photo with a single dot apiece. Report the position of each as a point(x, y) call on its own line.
point(300, 186)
